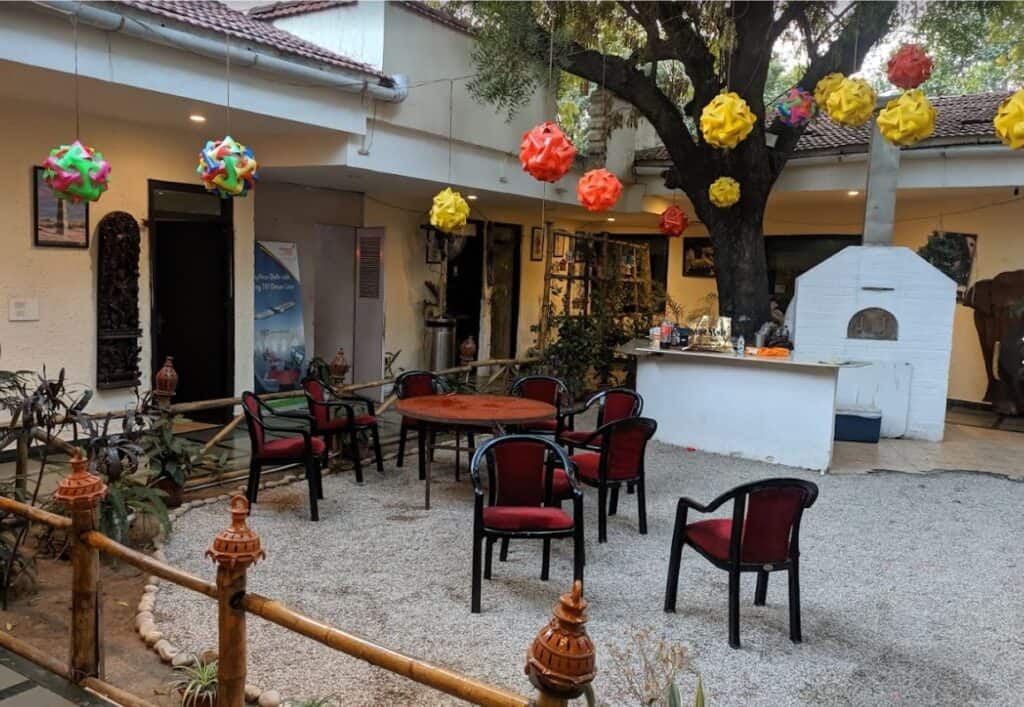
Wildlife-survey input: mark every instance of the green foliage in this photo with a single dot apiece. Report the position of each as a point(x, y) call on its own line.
point(125, 497)
point(197, 683)
point(950, 253)
point(170, 456)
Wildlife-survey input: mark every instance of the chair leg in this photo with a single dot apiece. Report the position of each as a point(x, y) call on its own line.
point(458, 453)
point(353, 438)
point(613, 503)
point(674, 559)
point(734, 608)
point(253, 487)
point(474, 602)
point(602, 513)
point(545, 566)
point(629, 487)
point(375, 435)
point(433, 443)
point(795, 634)
point(761, 590)
point(503, 556)
point(421, 443)
point(641, 504)
point(403, 430)
point(311, 481)
point(488, 556)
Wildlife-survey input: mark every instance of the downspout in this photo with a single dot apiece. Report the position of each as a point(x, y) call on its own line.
point(392, 89)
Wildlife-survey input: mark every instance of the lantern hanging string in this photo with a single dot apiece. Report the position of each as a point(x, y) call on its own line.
point(74, 31)
point(551, 72)
point(227, 55)
point(451, 125)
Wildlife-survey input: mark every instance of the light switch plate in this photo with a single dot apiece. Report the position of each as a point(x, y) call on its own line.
point(23, 310)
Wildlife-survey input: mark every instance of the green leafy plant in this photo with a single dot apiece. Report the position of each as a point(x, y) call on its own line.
point(125, 497)
point(197, 683)
point(170, 457)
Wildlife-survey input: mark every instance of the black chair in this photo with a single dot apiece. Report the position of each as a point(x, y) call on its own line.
point(299, 447)
point(612, 404)
point(328, 424)
point(414, 384)
point(546, 389)
point(520, 504)
point(762, 536)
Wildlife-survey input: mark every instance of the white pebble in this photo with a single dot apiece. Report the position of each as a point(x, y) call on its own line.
point(252, 694)
point(183, 658)
point(143, 617)
point(269, 698)
point(153, 637)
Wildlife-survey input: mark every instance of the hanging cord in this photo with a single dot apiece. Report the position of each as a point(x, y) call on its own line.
point(451, 125)
point(227, 55)
point(74, 31)
point(551, 72)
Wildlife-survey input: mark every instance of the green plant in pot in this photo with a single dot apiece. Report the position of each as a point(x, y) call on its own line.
point(170, 457)
point(196, 683)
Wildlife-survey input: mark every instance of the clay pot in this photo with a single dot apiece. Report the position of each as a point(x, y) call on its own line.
point(467, 349)
point(339, 365)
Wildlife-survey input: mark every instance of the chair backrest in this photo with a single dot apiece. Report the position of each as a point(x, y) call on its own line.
point(316, 393)
point(618, 404)
point(623, 445)
point(546, 389)
point(520, 469)
point(766, 518)
point(253, 415)
point(415, 384)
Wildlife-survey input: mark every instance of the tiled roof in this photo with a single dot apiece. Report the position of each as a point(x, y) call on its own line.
point(959, 120)
point(221, 19)
point(440, 16)
point(289, 8)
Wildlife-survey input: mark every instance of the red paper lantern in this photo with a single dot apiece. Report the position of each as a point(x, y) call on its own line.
point(909, 67)
point(673, 222)
point(598, 190)
point(546, 153)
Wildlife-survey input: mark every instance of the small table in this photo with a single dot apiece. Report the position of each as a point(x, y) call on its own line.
point(469, 411)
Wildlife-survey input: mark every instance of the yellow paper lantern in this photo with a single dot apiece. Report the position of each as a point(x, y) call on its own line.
point(851, 103)
point(907, 119)
point(825, 88)
point(726, 120)
point(1009, 120)
point(449, 212)
point(724, 192)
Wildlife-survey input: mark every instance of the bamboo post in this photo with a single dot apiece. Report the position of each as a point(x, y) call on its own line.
point(234, 549)
point(80, 492)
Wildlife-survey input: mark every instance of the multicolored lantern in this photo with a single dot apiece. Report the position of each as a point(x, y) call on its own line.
point(673, 222)
point(825, 87)
point(598, 190)
point(76, 173)
point(546, 153)
point(1009, 120)
point(909, 67)
point(724, 192)
point(851, 103)
point(227, 167)
point(726, 120)
point(449, 212)
point(907, 119)
point(796, 107)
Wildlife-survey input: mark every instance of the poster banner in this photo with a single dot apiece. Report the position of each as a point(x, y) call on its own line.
point(280, 348)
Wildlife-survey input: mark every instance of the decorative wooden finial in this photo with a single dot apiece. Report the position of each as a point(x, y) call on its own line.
point(80, 490)
point(561, 661)
point(237, 545)
point(165, 383)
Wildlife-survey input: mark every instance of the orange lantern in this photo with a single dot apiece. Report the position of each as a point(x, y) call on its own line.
point(909, 67)
point(546, 153)
point(598, 190)
point(673, 222)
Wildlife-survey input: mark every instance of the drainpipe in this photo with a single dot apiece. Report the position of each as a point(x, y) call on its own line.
point(392, 89)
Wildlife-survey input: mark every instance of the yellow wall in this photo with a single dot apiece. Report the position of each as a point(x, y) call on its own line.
point(64, 280)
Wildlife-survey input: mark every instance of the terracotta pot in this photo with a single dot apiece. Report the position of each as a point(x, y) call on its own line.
point(339, 365)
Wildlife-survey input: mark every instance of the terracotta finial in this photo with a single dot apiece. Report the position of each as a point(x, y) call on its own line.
point(561, 661)
point(237, 545)
point(80, 490)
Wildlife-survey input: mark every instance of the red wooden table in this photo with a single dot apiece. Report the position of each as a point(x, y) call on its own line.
point(457, 410)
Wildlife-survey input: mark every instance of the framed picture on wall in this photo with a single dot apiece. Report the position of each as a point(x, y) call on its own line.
point(57, 223)
point(560, 238)
point(537, 243)
point(698, 257)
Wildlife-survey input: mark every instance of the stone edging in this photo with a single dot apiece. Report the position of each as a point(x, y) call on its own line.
point(145, 621)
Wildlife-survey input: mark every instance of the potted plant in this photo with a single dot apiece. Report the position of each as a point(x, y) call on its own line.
point(170, 457)
point(196, 683)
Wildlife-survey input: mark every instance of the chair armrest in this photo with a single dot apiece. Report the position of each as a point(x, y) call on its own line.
point(358, 400)
point(710, 507)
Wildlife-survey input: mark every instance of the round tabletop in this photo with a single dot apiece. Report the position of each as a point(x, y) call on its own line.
point(475, 410)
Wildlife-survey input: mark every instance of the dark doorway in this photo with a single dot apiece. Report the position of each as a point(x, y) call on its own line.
point(465, 282)
point(191, 264)
point(503, 277)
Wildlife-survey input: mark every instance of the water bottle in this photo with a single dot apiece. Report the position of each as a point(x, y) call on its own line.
point(739, 345)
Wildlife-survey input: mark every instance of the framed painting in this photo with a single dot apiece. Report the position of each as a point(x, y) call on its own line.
point(560, 238)
point(698, 257)
point(537, 243)
point(57, 223)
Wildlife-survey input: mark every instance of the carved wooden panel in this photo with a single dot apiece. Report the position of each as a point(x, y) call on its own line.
point(873, 323)
point(117, 311)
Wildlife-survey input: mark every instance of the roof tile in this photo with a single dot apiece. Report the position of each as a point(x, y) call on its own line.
point(290, 8)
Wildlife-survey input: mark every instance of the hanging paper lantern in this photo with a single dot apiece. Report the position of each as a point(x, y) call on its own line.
point(598, 190)
point(724, 192)
point(726, 120)
point(673, 222)
point(909, 67)
point(825, 87)
point(1009, 120)
point(546, 153)
point(852, 103)
point(227, 167)
point(450, 211)
point(75, 172)
point(796, 107)
point(907, 119)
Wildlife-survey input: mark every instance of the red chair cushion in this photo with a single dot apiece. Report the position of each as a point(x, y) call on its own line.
point(587, 464)
point(290, 448)
point(560, 488)
point(519, 467)
point(578, 437)
point(713, 537)
point(617, 406)
point(336, 424)
point(526, 518)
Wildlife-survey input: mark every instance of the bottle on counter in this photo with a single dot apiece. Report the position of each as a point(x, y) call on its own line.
point(739, 345)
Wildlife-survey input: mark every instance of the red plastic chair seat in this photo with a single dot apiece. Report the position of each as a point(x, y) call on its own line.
point(290, 448)
point(578, 437)
point(587, 463)
point(526, 518)
point(336, 424)
point(712, 536)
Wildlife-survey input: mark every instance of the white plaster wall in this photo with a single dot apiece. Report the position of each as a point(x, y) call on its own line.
point(919, 296)
point(355, 30)
point(64, 280)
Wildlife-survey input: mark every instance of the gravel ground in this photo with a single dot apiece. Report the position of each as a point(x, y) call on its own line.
point(910, 583)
